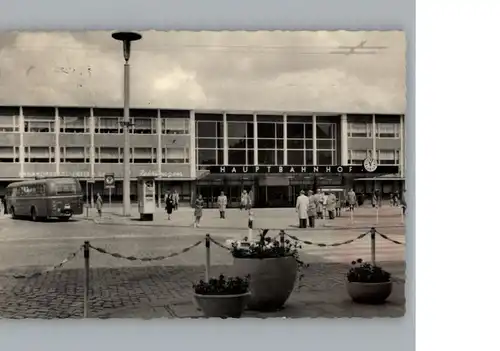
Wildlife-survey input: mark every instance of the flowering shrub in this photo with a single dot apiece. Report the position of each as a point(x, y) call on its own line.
point(363, 272)
point(267, 247)
point(222, 286)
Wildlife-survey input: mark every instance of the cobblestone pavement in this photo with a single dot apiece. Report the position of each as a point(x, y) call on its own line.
point(156, 291)
point(123, 288)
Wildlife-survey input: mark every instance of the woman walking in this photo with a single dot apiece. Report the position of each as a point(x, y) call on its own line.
point(169, 204)
point(198, 209)
point(245, 201)
point(98, 204)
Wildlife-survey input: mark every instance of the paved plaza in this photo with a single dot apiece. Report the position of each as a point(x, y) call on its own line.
point(128, 288)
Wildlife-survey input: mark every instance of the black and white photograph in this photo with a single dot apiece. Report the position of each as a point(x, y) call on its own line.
point(207, 174)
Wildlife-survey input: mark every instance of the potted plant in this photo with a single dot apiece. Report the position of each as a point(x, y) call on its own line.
point(273, 267)
point(367, 283)
point(222, 297)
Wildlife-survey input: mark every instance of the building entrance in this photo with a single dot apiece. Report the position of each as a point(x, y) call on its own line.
point(265, 191)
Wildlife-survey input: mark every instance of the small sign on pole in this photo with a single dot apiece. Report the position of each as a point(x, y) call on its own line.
point(109, 183)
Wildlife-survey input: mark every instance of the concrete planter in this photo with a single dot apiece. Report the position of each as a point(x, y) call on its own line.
point(369, 293)
point(222, 306)
point(271, 280)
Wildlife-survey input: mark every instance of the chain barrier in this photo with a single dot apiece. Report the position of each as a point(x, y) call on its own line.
point(222, 246)
point(389, 239)
point(307, 242)
point(59, 265)
point(145, 259)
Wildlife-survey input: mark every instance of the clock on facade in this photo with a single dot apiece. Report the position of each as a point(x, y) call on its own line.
point(370, 164)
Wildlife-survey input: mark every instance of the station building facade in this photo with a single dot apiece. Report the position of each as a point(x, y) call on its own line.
point(181, 147)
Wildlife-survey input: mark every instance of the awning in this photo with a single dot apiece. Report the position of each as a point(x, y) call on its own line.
point(382, 177)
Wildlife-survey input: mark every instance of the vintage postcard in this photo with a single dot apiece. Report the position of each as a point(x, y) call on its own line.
point(202, 174)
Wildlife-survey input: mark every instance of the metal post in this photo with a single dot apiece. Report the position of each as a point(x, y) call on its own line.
point(86, 256)
point(126, 150)
point(373, 232)
point(109, 197)
point(207, 262)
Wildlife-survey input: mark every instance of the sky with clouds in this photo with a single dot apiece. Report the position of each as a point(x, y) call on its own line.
point(238, 71)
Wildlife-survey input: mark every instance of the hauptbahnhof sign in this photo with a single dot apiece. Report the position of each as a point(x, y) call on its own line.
point(263, 169)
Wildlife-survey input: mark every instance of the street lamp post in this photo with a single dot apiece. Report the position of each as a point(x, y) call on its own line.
point(127, 38)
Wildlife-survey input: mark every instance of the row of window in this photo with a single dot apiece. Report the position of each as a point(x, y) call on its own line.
point(383, 157)
point(75, 154)
point(103, 125)
point(365, 130)
point(207, 143)
point(266, 157)
point(266, 130)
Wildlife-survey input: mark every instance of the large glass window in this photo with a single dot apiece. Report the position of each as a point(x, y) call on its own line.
point(299, 143)
point(209, 143)
point(8, 119)
point(240, 142)
point(326, 144)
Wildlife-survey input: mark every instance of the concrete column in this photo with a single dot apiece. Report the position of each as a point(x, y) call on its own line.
point(285, 140)
point(344, 145)
point(92, 143)
point(374, 138)
point(159, 154)
point(21, 142)
point(57, 127)
point(225, 139)
point(402, 150)
point(315, 137)
point(159, 133)
point(91, 125)
point(192, 145)
point(255, 141)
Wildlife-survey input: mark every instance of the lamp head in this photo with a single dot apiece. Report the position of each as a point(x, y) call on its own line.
point(127, 38)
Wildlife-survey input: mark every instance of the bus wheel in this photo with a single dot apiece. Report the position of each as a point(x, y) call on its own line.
point(34, 215)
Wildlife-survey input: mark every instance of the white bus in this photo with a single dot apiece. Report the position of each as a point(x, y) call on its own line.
point(59, 197)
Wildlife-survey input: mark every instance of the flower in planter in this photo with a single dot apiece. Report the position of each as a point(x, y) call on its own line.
point(222, 286)
point(267, 247)
point(363, 272)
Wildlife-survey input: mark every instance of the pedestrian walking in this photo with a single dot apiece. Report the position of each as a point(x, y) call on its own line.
point(331, 204)
point(198, 211)
point(251, 217)
point(245, 202)
point(403, 202)
point(351, 199)
point(319, 204)
point(169, 204)
point(301, 208)
point(4, 202)
point(311, 209)
point(98, 204)
point(222, 203)
point(376, 199)
point(175, 197)
point(396, 199)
